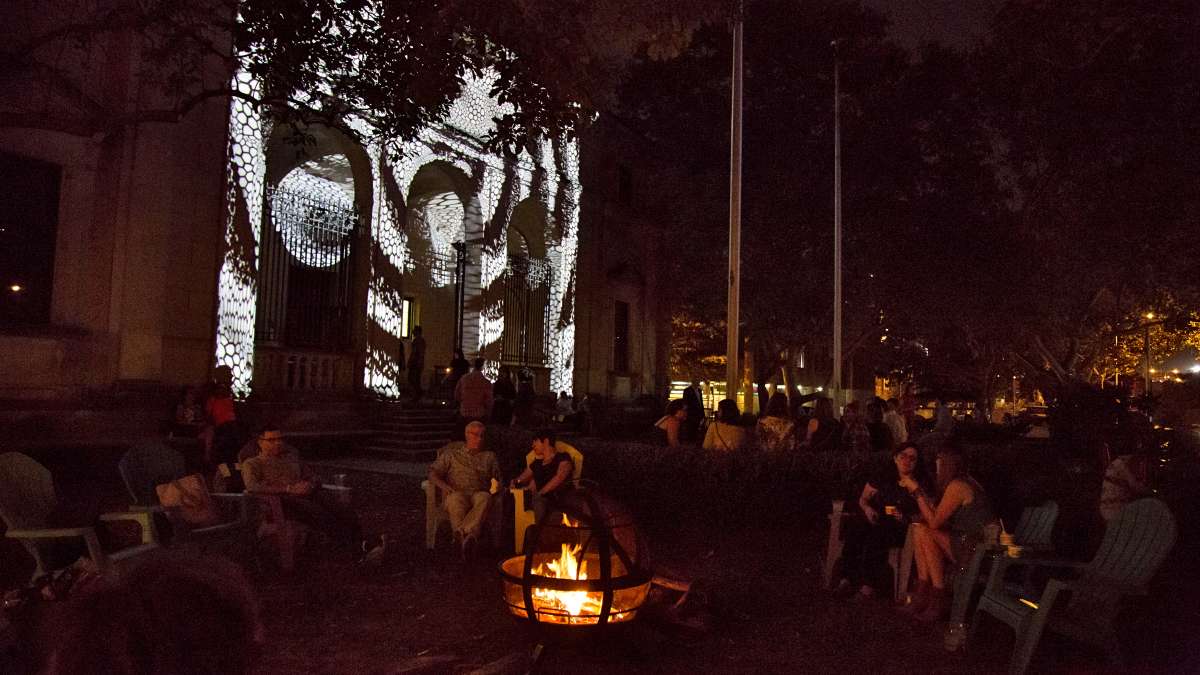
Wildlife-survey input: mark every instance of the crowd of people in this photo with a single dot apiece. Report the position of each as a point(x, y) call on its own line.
point(874, 425)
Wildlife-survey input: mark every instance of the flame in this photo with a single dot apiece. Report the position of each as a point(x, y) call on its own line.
point(572, 604)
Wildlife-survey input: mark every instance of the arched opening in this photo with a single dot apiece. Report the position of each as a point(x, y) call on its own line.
point(526, 281)
point(305, 274)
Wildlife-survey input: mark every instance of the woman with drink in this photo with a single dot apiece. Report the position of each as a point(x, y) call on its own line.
point(952, 526)
point(887, 510)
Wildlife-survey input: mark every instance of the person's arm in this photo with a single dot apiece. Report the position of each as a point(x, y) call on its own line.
point(936, 516)
point(437, 472)
point(672, 428)
point(561, 476)
point(458, 389)
point(864, 503)
point(525, 477)
point(253, 479)
point(813, 425)
point(710, 437)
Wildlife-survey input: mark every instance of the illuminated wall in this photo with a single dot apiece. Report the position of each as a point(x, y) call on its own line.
point(237, 284)
point(479, 209)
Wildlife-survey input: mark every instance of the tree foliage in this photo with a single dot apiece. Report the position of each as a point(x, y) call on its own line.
point(399, 65)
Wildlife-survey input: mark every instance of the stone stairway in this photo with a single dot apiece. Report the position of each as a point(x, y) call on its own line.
point(411, 434)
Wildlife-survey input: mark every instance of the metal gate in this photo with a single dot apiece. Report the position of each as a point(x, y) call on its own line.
point(305, 276)
point(526, 311)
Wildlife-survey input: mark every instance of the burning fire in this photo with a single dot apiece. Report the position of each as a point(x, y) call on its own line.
point(571, 603)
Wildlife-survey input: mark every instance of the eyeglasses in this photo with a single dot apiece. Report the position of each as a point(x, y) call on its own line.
point(908, 457)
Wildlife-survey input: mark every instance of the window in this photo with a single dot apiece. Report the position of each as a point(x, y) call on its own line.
point(621, 337)
point(408, 316)
point(624, 184)
point(28, 231)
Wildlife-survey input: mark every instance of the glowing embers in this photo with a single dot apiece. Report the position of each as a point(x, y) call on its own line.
point(582, 569)
point(314, 216)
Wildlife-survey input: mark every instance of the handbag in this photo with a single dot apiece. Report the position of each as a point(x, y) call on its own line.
point(189, 496)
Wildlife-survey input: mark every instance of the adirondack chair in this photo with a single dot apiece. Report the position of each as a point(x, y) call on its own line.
point(1135, 544)
point(522, 517)
point(146, 466)
point(286, 537)
point(1034, 532)
point(27, 499)
point(899, 559)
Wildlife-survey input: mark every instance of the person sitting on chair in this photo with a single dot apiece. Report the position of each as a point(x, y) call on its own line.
point(277, 470)
point(548, 475)
point(464, 471)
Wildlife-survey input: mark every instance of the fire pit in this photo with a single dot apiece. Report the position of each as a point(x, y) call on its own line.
point(585, 567)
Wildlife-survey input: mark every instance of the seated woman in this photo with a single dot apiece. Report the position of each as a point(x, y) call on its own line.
point(775, 431)
point(668, 426)
point(548, 475)
point(726, 431)
point(950, 532)
point(887, 509)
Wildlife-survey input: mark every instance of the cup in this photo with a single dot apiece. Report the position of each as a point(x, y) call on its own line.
point(339, 479)
point(891, 511)
point(838, 504)
point(1006, 539)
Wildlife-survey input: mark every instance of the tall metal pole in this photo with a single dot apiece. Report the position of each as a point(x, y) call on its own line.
point(732, 342)
point(836, 383)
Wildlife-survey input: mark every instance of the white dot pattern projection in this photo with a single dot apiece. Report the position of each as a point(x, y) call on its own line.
point(478, 211)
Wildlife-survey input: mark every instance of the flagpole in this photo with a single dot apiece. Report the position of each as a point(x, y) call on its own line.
point(732, 342)
point(836, 384)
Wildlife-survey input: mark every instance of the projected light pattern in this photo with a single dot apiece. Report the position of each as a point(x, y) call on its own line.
point(480, 210)
point(313, 216)
point(237, 283)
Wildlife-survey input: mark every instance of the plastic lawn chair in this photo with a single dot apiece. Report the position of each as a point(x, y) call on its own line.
point(523, 518)
point(1085, 608)
point(27, 499)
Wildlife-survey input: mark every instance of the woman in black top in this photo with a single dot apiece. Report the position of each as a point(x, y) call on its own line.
point(887, 511)
point(548, 475)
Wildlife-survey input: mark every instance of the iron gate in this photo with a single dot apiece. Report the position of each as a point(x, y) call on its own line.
point(305, 276)
point(526, 311)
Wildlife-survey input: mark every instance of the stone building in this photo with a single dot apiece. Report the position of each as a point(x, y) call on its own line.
point(139, 256)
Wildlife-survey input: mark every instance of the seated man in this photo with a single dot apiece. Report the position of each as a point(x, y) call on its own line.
point(464, 472)
point(277, 470)
point(548, 475)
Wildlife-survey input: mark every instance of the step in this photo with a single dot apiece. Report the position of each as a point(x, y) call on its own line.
point(406, 446)
point(420, 433)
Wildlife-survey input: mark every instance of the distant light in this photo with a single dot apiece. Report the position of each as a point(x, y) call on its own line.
point(1175, 371)
point(1149, 315)
point(820, 388)
point(15, 288)
point(1028, 602)
point(1152, 371)
point(1196, 368)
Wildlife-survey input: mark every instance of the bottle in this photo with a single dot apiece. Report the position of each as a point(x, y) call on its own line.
point(955, 636)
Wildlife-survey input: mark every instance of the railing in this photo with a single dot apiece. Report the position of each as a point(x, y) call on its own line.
point(286, 372)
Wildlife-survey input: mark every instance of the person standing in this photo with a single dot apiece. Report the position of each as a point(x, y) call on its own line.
point(895, 421)
point(690, 433)
point(416, 363)
point(474, 395)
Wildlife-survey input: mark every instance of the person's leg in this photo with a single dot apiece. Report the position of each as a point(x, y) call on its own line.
point(474, 519)
point(939, 553)
point(457, 505)
point(541, 507)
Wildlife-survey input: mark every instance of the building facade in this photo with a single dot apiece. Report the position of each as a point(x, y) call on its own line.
point(157, 251)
